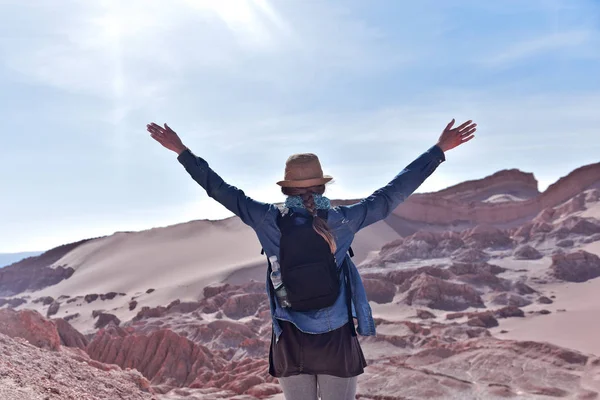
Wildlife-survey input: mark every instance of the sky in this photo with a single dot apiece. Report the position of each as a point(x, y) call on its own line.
point(366, 85)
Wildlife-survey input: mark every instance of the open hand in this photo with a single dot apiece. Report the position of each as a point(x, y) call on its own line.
point(452, 138)
point(166, 136)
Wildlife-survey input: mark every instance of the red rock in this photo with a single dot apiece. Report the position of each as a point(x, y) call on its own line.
point(70, 317)
point(31, 373)
point(435, 293)
point(508, 312)
point(108, 296)
point(163, 357)
point(462, 268)
point(90, 297)
point(579, 266)
point(243, 305)
point(522, 288)
point(183, 307)
point(69, 336)
point(527, 252)
point(579, 226)
point(53, 309)
point(210, 291)
point(484, 320)
point(509, 299)
point(147, 312)
point(487, 236)
point(31, 326)
point(35, 273)
point(379, 291)
point(44, 300)
point(470, 255)
point(105, 319)
point(401, 276)
point(486, 279)
point(13, 303)
point(424, 314)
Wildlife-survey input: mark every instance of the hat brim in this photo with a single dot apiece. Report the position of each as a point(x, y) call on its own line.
point(306, 183)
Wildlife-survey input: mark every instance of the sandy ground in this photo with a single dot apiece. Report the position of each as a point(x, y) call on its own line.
point(176, 261)
point(577, 328)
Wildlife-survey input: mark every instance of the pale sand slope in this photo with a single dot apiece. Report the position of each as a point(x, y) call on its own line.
point(578, 327)
point(177, 261)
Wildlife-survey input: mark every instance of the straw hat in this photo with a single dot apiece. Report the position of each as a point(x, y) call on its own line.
point(303, 170)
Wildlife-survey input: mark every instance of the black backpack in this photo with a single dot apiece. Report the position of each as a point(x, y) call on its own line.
point(308, 269)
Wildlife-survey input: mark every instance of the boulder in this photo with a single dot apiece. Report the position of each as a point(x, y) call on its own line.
point(53, 309)
point(379, 291)
point(243, 305)
point(104, 319)
point(578, 266)
point(509, 299)
point(31, 326)
point(527, 252)
point(432, 292)
point(69, 336)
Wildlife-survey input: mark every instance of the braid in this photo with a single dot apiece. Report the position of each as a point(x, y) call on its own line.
point(309, 203)
point(319, 224)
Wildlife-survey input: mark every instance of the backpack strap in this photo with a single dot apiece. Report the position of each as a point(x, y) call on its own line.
point(348, 296)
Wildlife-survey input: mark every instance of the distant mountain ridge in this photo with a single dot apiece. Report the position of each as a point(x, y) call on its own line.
point(10, 258)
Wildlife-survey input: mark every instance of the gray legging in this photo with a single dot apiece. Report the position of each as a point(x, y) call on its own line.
point(328, 387)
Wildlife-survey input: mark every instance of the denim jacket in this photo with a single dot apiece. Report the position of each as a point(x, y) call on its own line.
point(343, 221)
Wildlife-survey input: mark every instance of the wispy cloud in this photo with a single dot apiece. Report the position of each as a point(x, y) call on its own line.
point(247, 82)
point(531, 48)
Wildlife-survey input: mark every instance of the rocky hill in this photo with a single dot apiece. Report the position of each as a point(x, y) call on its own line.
point(469, 303)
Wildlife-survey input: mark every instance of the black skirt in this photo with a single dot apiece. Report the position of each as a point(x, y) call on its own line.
point(336, 353)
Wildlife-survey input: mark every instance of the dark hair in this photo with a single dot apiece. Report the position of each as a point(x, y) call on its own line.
point(319, 224)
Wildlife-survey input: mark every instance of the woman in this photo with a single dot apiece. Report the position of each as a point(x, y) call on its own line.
point(316, 352)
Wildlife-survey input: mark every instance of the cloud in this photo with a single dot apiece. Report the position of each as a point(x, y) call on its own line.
point(531, 48)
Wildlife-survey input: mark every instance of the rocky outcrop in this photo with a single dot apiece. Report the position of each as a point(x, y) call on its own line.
point(462, 268)
point(169, 360)
point(31, 373)
point(44, 300)
point(379, 290)
point(443, 207)
point(53, 309)
point(157, 356)
point(69, 336)
point(432, 292)
point(104, 319)
point(527, 252)
point(483, 320)
point(91, 297)
point(12, 303)
point(504, 312)
point(31, 326)
point(424, 314)
point(487, 236)
point(243, 305)
point(510, 299)
point(578, 266)
point(176, 306)
point(35, 273)
point(470, 255)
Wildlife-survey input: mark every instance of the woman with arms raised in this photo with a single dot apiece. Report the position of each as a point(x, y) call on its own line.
point(314, 288)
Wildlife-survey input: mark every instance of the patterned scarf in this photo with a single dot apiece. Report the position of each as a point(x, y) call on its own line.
point(321, 202)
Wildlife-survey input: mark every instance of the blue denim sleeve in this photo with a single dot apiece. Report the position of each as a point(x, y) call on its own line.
point(250, 211)
point(385, 200)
